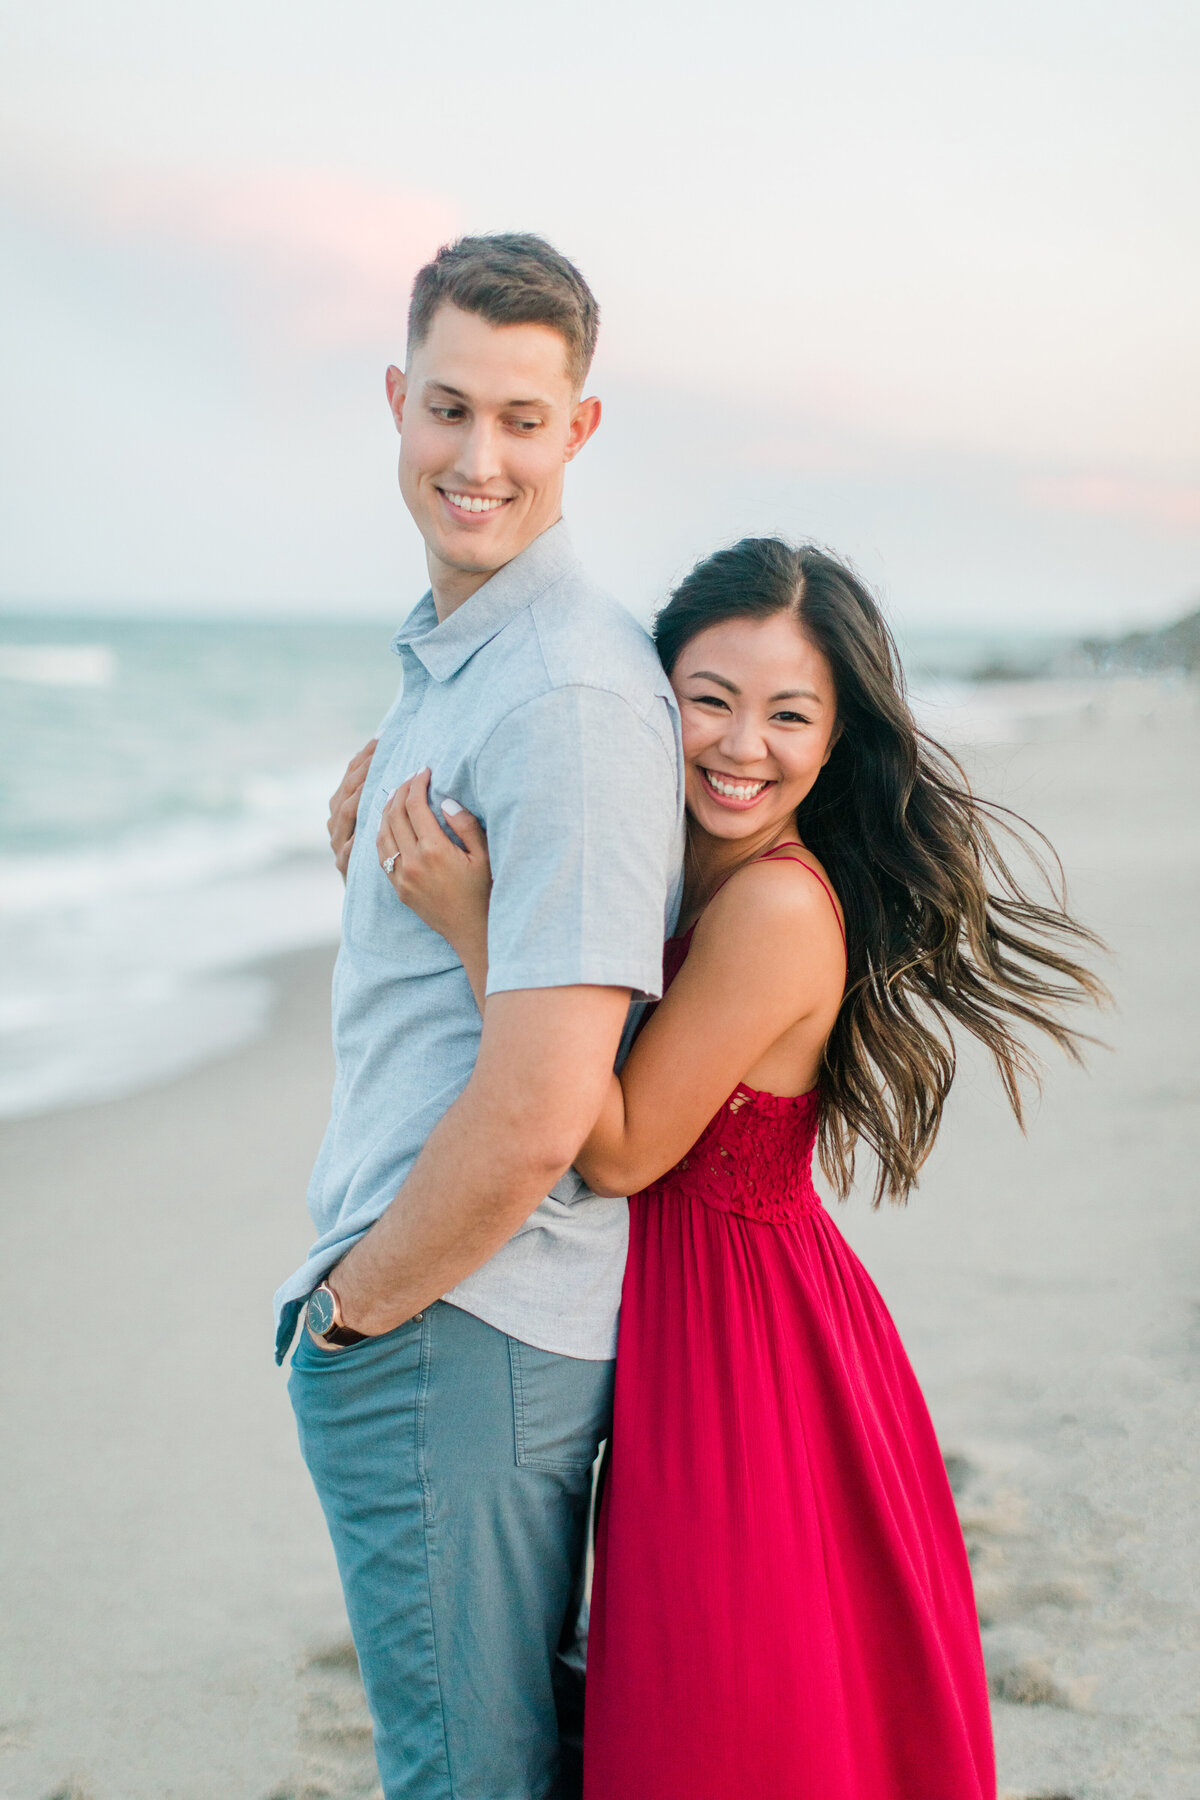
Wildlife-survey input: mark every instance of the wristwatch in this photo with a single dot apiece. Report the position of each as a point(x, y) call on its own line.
point(325, 1318)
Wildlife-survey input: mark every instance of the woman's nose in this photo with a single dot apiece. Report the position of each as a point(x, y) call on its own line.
point(743, 741)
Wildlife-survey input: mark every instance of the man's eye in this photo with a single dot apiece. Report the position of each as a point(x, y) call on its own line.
point(526, 425)
point(449, 413)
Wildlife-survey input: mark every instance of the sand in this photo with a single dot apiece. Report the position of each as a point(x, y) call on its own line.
point(172, 1622)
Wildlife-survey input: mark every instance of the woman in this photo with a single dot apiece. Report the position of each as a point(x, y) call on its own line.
point(782, 1605)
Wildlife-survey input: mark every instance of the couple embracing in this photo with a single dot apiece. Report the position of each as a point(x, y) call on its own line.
point(781, 1606)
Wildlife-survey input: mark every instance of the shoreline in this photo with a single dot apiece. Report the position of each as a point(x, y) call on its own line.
point(166, 1568)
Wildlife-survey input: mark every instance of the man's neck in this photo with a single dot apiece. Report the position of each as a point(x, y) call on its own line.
point(452, 587)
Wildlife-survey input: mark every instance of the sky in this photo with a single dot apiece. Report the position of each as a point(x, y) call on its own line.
point(919, 281)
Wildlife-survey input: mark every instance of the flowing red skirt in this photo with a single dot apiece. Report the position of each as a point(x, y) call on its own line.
point(782, 1606)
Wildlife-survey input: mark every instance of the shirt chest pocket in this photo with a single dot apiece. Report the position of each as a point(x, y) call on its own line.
point(375, 921)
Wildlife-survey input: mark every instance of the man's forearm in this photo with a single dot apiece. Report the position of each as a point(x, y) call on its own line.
point(544, 1065)
point(470, 1189)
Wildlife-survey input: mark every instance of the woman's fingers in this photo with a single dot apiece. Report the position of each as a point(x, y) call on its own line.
point(466, 828)
point(395, 826)
point(426, 829)
point(343, 805)
point(428, 866)
point(350, 786)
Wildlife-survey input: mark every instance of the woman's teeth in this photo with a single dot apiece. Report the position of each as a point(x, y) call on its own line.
point(473, 502)
point(734, 790)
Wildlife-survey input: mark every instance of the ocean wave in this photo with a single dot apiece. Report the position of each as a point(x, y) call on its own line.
point(122, 969)
point(280, 817)
point(59, 665)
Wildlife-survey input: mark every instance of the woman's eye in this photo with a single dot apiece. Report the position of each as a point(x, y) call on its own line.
point(792, 718)
point(713, 700)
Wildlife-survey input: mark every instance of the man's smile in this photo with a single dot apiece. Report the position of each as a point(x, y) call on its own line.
point(473, 504)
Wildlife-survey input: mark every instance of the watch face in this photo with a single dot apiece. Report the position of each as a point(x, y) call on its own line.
point(320, 1312)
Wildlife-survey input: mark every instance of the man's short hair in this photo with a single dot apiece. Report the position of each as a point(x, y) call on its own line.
point(510, 278)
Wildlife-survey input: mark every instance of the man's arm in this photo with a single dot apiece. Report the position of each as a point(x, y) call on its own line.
point(545, 1062)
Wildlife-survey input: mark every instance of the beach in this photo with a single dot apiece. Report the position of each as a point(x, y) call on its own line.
point(173, 1624)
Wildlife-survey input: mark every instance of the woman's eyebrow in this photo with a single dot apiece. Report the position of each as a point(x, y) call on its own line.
point(731, 688)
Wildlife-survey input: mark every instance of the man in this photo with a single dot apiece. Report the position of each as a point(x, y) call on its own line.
point(453, 1378)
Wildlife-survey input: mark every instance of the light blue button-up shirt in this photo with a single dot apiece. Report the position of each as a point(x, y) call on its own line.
point(540, 705)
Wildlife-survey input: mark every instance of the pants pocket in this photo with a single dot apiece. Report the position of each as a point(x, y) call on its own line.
point(562, 1406)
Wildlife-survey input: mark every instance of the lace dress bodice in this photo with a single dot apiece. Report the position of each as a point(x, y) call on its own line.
point(754, 1157)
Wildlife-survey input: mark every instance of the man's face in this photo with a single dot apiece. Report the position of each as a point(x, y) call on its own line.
point(488, 421)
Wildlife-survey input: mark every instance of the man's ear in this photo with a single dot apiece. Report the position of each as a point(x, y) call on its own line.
point(584, 421)
point(397, 387)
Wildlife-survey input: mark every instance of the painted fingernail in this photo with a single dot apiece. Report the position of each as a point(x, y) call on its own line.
point(451, 807)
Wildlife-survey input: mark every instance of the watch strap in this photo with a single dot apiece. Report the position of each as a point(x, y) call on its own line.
point(343, 1334)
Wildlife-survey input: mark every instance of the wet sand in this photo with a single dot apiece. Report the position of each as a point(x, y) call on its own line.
point(172, 1618)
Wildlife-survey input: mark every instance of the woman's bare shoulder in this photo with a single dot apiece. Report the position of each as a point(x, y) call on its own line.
point(783, 908)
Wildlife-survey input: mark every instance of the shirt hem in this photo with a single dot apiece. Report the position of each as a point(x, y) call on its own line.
point(508, 979)
point(539, 1338)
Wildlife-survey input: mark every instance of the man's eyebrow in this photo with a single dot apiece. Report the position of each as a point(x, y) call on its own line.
point(443, 387)
point(731, 688)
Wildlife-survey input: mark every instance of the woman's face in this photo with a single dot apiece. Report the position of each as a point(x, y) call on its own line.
point(759, 715)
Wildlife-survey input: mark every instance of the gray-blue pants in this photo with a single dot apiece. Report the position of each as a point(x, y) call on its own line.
point(454, 1467)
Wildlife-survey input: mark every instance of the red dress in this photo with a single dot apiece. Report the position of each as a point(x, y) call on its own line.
point(782, 1606)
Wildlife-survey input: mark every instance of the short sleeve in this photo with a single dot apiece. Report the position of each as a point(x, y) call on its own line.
point(580, 798)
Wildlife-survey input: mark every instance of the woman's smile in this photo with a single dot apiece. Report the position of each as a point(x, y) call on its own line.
point(733, 790)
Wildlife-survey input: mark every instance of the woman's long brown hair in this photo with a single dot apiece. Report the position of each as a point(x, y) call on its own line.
point(941, 930)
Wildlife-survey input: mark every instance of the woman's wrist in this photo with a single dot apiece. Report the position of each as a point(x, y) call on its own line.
point(472, 951)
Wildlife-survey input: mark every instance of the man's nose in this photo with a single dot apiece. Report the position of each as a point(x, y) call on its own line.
point(478, 456)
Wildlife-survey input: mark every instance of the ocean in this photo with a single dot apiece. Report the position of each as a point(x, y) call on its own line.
point(163, 795)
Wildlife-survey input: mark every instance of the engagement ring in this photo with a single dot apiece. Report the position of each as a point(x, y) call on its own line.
point(390, 864)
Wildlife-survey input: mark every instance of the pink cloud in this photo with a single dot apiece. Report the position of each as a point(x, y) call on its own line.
point(1175, 503)
point(324, 257)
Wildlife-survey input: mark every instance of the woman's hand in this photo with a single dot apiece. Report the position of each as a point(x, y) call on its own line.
point(447, 887)
point(343, 807)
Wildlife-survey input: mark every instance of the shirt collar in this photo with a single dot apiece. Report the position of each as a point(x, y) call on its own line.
point(444, 647)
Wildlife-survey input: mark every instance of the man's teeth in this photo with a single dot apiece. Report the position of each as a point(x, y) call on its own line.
point(473, 502)
point(735, 790)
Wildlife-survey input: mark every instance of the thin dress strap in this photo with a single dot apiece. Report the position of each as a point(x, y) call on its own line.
point(772, 855)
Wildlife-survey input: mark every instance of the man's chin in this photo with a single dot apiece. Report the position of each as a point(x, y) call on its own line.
point(473, 553)
point(478, 563)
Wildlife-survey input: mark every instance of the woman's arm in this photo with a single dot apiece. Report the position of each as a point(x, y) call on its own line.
point(766, 956)
point(446, 887)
